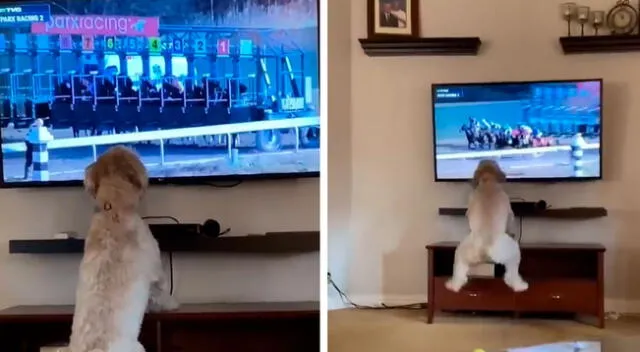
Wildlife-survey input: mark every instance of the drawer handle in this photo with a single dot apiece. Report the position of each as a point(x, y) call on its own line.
point(473, 294)
point(555, 296)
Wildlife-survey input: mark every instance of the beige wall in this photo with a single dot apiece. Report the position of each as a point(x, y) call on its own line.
point(339, 149)
point(393, 197)
point(253, 207)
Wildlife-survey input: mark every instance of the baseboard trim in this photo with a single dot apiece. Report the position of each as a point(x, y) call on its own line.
point(334, 302)
point(610, 305)
point(389, 300)
point(622, 306)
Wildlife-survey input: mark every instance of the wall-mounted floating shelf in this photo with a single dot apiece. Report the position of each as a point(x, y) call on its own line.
point(577, 213)
point(410, 46)
point(600, 44)
point(271, 242)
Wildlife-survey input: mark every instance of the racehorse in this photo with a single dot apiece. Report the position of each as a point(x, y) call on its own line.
point(477, 136)
point(471, 132)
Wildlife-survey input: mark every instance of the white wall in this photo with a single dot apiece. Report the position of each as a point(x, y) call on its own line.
point(252, 207)
point(393, 199)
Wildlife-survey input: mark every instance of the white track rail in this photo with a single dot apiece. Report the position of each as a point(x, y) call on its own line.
point(163, 135)
point(511, 152)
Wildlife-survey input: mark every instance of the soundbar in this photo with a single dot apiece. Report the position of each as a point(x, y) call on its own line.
point(528, 207)
point(164, 231)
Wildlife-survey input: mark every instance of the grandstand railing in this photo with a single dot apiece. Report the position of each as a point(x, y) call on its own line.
point(511, 152)
point(163, 135)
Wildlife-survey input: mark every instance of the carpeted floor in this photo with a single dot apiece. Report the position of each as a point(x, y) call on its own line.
point(407, 331)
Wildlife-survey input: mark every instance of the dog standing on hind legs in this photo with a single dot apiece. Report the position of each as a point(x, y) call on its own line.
point(121, 272)
point(489, 213)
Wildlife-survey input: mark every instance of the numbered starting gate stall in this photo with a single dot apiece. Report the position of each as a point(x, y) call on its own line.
point(195, 102)
point(149, 105)
point(44, 87)
point(22, 97)
point(62, 107)
point(127, 104)
point(83, 102)
point(105, 116)
point(53, 96)
point(172, 103)
point(6, 109)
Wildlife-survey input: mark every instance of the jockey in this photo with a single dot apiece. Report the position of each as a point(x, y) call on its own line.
point(470, 125)
point(537, 132)
point(526, 128)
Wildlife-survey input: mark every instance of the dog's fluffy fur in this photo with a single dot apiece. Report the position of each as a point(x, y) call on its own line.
point(121, 271)
point(489, 214)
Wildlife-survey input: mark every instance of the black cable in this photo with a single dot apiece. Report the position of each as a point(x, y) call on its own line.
point(225, 185)
point(170, 253)
point(520, 234)
point(171, 273)
point(162, 217)
point(345, 299)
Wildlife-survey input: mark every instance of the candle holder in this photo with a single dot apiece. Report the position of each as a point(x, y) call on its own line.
point(568, 11)
point(597, 20)
point(583, 17)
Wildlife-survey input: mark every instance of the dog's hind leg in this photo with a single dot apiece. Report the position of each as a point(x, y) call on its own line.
point(460, 265)
point(139, 348)
point(505, 250)
point(126, 346)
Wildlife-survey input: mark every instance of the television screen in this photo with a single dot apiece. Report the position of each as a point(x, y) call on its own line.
point(536, 131)
point(203, 90)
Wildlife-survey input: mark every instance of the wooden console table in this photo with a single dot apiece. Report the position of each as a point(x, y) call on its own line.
point(563, 278)
point(282, 327)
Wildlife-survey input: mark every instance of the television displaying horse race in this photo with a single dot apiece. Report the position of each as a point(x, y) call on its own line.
point(200, 89)
point(536, 131)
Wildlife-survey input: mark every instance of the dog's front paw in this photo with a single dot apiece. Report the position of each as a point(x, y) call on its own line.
point(170, 304)
point(517, 285)
point(454, 284)
point(166, 304)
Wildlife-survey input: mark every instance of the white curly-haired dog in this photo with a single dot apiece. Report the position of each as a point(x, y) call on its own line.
point(489, 213)
point(121, 271)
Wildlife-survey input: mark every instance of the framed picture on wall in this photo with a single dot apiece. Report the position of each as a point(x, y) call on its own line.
point(393, 18)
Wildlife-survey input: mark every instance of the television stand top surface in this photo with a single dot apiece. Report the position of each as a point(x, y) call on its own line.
point(189, 311)
point(533, 246)
point(572, 213)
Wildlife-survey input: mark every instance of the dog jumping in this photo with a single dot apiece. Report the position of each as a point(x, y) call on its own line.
point(489, 214)
point(121, 273)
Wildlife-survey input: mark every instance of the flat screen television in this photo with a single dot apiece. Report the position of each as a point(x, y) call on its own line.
point(536, 131)
point(203, 90)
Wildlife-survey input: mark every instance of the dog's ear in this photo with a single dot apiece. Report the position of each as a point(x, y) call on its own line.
point(91, 180)
point(476, 175)
point(132, 168)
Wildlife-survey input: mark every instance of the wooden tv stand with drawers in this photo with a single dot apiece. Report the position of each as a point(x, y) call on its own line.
point(563, 278)
point(238, 327)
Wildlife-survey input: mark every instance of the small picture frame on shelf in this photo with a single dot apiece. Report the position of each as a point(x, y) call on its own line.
point(393, 18)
